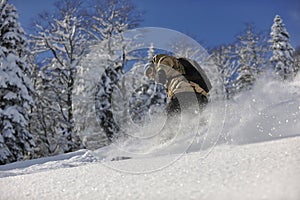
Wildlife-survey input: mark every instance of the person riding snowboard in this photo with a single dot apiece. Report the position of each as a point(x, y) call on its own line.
point(183, 82)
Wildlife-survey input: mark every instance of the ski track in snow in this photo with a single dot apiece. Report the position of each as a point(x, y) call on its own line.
point(73, 159)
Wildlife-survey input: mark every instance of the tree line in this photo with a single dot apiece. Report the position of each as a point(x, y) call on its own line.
point(68, 67)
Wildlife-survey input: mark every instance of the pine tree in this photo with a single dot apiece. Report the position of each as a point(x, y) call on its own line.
point(95, 79)
point(248, 59)
point(99, 69)
point(282, 57)
point(148, 98)
point(147, 101)
point(297, 61)
point(15, 88)
point(103, 101)
point(151, 52)
point(225, 58)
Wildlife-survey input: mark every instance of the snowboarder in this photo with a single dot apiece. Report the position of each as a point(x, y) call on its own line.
point(182, 81)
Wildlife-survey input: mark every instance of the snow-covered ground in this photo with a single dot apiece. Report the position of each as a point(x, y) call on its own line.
point(248, 148)
point(269, 170)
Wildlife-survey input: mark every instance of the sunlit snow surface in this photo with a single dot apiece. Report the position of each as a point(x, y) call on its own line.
point(246, 148)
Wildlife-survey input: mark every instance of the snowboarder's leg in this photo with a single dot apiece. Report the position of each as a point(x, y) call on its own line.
point(182, 111)
point(202, 101)
point(173, 107)
point(187, 102)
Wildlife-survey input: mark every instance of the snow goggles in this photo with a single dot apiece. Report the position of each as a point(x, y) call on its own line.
point(149, 69)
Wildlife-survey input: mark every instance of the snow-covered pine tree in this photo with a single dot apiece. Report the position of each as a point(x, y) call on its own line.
point(248, 60)
point(282, 58)
point(88, 75)
point(297, 61)
point(147, 101)
point(62, 40)
point(135, 76)
point(148, 98)
point(151, 52)
point(103, 101)
point(111, 19)
point(15, 88)
point(225, 59)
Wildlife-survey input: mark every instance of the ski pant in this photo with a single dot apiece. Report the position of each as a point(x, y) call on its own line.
point(187, 104)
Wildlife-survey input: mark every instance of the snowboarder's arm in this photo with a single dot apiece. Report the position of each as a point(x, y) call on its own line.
point(161, 76)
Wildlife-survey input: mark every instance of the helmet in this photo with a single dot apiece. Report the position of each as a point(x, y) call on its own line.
point(149, 67)
point(157, 57)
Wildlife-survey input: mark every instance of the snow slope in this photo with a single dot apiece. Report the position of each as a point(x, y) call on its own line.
point(247, 148)
point(269, 170)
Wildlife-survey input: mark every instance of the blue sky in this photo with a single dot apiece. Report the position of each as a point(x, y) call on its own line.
point(213, 22)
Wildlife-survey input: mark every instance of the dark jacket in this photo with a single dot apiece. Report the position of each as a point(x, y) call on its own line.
point(169, 72)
